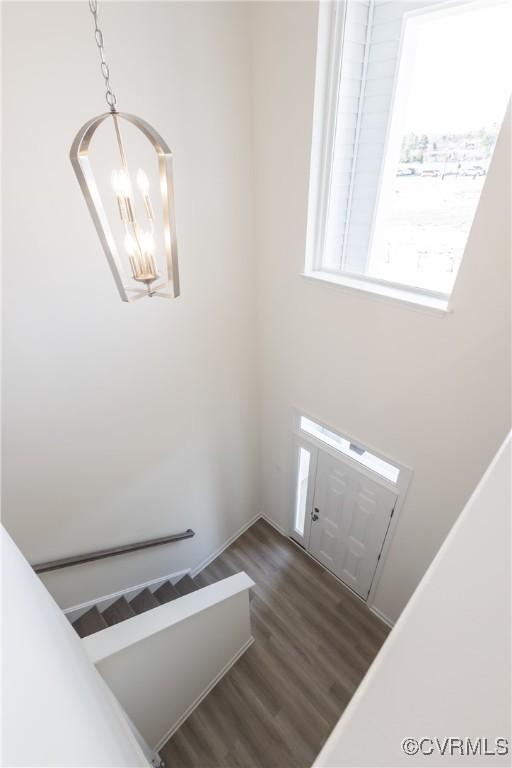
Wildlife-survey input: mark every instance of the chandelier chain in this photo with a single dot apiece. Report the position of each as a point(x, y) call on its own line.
point(105, 70)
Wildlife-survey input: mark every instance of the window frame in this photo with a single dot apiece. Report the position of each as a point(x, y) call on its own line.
point(301, 495)
point(355, 461)
point(300, 441)
point(330, 44)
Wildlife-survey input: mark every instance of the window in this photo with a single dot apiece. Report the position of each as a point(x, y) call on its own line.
point(301, 492)
point(350, 449)
point(408, 106)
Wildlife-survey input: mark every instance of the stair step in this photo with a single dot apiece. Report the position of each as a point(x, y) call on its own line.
point(166, 593)
point(202, 580)
point(118, 611)
point(144, 601)
point(186, 585)
point(90, 622)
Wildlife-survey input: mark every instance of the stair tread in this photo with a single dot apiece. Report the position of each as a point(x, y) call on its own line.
point(186, 585)
point(202, 580)
point(144, 601)
point(90, 622)
point(118, 611)
point(166, 592)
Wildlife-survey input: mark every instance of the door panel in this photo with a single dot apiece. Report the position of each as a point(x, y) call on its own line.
point(353, 518)
point(331, 492)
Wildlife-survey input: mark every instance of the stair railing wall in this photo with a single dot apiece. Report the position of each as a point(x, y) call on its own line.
point(161, 663)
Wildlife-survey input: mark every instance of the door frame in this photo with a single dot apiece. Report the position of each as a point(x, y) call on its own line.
point(314, 445)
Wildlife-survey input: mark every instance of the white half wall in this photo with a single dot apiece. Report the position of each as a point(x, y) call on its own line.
point(127, 422)
point(444, 671)
point(56, 709)
point(161, 663)
point(431, 392)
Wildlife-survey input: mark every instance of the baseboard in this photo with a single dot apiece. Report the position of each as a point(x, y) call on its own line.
point(198, 568)
point(371, 608)
point(381, 616)
point(172, 730)
point(275, 525)
point(75, 611)
point(281, 530)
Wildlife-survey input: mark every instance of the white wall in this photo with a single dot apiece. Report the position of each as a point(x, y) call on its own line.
point(431, 392)
point(161, 663)
point(56, 709)
point(124, 422)
point(450, 649)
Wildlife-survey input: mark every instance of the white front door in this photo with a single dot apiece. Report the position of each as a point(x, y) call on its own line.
point(351, 515)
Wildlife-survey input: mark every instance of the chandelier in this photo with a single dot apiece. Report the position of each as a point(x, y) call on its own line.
point(134, 220)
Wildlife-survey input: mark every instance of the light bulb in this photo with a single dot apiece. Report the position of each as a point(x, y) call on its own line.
point(142, 181)
point(114, 180)
point(125, 185)
point(147, 242)
point(129, 245)
point(121, 183)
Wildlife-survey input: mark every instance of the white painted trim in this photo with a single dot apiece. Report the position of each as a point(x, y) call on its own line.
point(405, 297)
point(117, 637)
point(357, 136)
point(404, 476)
point(382, 616)
point(328, 91)
point(330, 39)
point(275, 525)
point(373, 610)
point(198, 568)
point(300, 443)
point(330, 573)
point(400, 488)
point(172, 730)
point(323, 443)
point(304, 551)
point(75, 611)
point(286, 534)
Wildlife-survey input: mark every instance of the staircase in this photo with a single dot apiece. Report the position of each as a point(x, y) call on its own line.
point(95, 620)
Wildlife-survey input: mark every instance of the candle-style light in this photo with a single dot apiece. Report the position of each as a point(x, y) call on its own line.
point(150, 264)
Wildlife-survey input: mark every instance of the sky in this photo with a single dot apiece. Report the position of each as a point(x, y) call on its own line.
point(461, 69)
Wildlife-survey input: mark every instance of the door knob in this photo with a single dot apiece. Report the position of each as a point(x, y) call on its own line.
point(315, 514)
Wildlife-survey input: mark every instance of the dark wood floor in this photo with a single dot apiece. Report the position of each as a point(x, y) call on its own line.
point(314, 641)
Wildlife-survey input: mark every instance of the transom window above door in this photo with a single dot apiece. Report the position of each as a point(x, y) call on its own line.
point(409, 102)
point(349, 449)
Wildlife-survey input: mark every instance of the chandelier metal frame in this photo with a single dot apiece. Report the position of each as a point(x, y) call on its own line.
point(144, 264)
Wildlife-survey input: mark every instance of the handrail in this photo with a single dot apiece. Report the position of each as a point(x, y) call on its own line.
point(54, 565)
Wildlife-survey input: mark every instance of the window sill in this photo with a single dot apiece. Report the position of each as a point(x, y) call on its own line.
point(408, 297)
